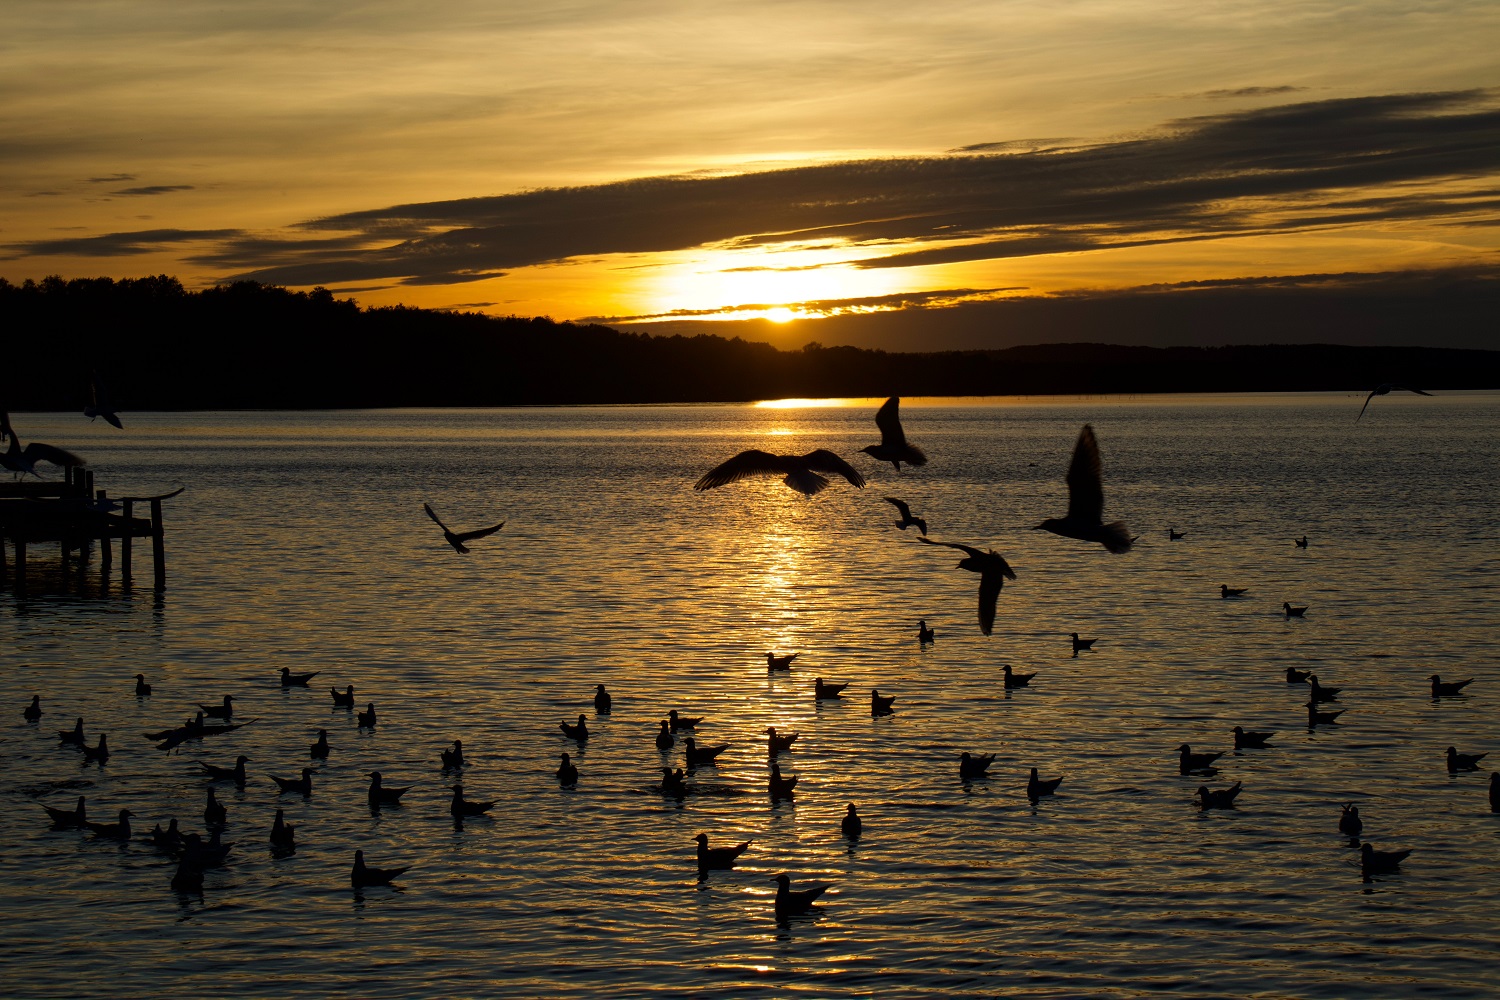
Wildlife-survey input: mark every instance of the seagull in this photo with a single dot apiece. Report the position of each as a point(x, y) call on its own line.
point(906, 518)
point(460, 806)
point(673, 783)
point(1456, 761)
point(1301, 543)
point(993, 571)
point(283, 834)
point(801, 472)
point(718, 858)
point(1036, 788)
point(567, 772)
point(1217, 798)
point(33, 712)
point(1320, 693)
point(779, 744)
point(1373, 862)
point(112, 831)
point(1317, 718)
point(457, 540)
point(823, 691)
point(1295, 676)
point(924, 634)
point(142, 689)
point(970, 768)
point(579, 732)
point(1227, 591)
point(214, 813)
point(664, 739)
point(367, 717)
point(99, 753)
point(791, 902)
point(63, 819)
point(880, 705)
point(1439, 688)
point(379, 795)
point(1173, 534)
point(364, 875)
point(702, 756)
point(1081, 645)
point(320, 748)
point(1349, 821)
point(686, 722)
point(1292, 612)
point(453, 758)
point(603, 703)
point(1187, 761)
point(345, 700)
point(893, 447)
point(1248, 740)
point(224, 711)
point(289, 679)
point(187, 879)
point(1085, 520)
point(99, 404)
point(74, 735)
point(22, 461)
point(301, 786)
point(852, 826)
point(235, 774)
point(781, 788)
point(774, 662)
point(1015, 680)
point(1385, 389)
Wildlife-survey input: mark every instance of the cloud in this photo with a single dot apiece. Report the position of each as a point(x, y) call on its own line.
point(870, 303)
point(118, 244)
point(154, 189)
point(1251, 92)
point(111, 179)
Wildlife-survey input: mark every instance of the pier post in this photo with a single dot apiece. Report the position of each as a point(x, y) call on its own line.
point(106, 544)
point(129, 511)
point(158, 548)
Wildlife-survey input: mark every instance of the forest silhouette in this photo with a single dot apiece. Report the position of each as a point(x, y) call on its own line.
point(246, 345)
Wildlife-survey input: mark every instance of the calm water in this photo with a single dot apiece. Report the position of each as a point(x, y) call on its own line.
point(301, 542)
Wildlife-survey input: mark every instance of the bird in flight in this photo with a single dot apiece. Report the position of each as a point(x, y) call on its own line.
point(993, 571)
point(800, 472)
point(1385, 389)
point(906, 518)
point(1085, 518)
point(22, 461)
point(99, 404)
point(893, 446)
point(457, 539)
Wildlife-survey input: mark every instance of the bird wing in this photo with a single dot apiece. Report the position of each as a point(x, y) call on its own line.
point(901, 506)
point(989, 593)
point(1373, 393)
point(1408, 388)
point(742, 466)
point(888, 419)
point(434, 517)
point(38, 452)
point(824, 460)
point(1086, 480)
point(977, 553)
point(469, 536)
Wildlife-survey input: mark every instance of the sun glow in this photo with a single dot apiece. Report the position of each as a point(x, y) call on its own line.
point(799, 404)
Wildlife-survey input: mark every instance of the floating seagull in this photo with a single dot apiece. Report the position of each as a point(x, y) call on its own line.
point(664, 739)
point(1248, 740)
point(1295, 676)
point(99, 404)
point(142, 689)
point(718, 858)
point(1036, 788)
point(22, 461)
point(64, 819)
point(779, 744)
point(774, 662)
point(1349, 822)
point(457, 540)
point(603, 703)
point(72, 736)
point(1440, 688)
point(363, 875)
point(283, 834)
point(1292, 612)
point(1217, 798)
point(970, 768)
point(1321, 693)
point(224, 711)
point(1085, 519)
point(1173, 534)
point(1317, 718)
point(453, 759)
point(320, 748)
point(299, 786)
point(801, 472)
point(289, 679)
point(1015, 680)
point(823, 691)
point(579, 732)
point(460, 806)
point(187, 879)
point(852, 826)
point(380, 795)
point(781, 788)
point(673, 783)
point(924, 634)
point(1463, 761)
point(683, 721)
point(214, 813)
point(906, 518)
point(993, 571)
point(33, 712)
point(790, 902)
point(235, 774)
point(1301, 543)
point(702, 756)
point(1081, 645)
point(98, 753)
point(567, 772)
point(893, 446)
point(1373, 862)
point(366, 719)
point(170, 839)
point(1187, 761)
point(880, 705)
point(345, 700)
point(1226, 591)
point(1385, 389)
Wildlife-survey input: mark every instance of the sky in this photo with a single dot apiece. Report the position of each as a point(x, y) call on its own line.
point(902, 175)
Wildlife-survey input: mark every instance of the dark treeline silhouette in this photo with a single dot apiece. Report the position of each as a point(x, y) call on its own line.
point(247, 345)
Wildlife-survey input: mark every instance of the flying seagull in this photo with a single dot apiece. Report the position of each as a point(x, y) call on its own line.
point(22, 461)
point(99, 404)
point(800, 472)
point(906, 518)
point(993, 571)
point(1385, 389)
point(457, 540)
point(893, 447)
point(1085, 518)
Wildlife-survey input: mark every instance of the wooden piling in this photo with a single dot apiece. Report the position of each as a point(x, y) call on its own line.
point(129, 510)
point(158, 546)
point(106, 544)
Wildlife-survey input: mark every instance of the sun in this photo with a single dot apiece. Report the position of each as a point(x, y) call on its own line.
point(779, 314)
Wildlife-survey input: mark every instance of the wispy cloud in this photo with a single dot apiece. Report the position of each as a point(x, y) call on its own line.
point(111, 179)
point(119, 244)
point(1251, 92)
point(154, 189)
point(941, 298)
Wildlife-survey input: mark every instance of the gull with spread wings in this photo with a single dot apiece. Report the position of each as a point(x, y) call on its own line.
point(893, 446)
point(799, 472)
point(993, 571)
point(457, 539)
point(22, 461)
point(1085, 520)
point(1385, 389)
point(99, 404)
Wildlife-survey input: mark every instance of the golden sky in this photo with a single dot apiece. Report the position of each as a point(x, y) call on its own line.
point(645, 159)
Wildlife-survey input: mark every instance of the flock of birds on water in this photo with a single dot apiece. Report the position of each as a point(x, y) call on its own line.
point(196, 853)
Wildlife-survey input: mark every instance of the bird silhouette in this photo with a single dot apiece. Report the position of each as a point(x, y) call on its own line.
point(454, 758)
point(1085, 517)
point(1301, 543)
point(1081, 645)
point(1385, 389)
point(1440, 687)
point(1217, 798)
point(363, 875)
point(344, 700)
point(701, 756)
point(214, 813)
point(298, 786)
point(780, 787)
point(289, 679)
point(1247, 740)
point(852, 826)
point(65, 819)
point(381, 794)
point(776, 743)
point(22, 461)
point(367, 718)
point(718, 858)
point(603, 703)
point(792, 902)
point(683, 721)
point(993, 571)
point(459, 806)
point(924, 634)
point(224, 711)
point(1463, 761)
point(673, 783)
point(1373, 862)
point(906, 518)
point(1292, 612)
point(567, 771)
point(880, 704)
point(893, 446)
point(320, 748)
point(33, 712)
point(1319, 718)
point(1321, 693)
point(1295, 676)
point(823, 691)
point(99, 404)
point(1015, 680)
point(800, 472)
point(119, 830)
point(235, 774)
point(1173, 534)
point(1226, 591)
point(1187, 761)
point(970, 767)
point(664, 739)
point(579, 732)
point(283, 834)
point(774, 662)
point(1036, 787)
point(98, 754)
point(1349, 822)
point(74, 736)
point(457, 539)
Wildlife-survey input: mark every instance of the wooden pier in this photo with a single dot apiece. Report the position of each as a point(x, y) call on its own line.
point(73, 514)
